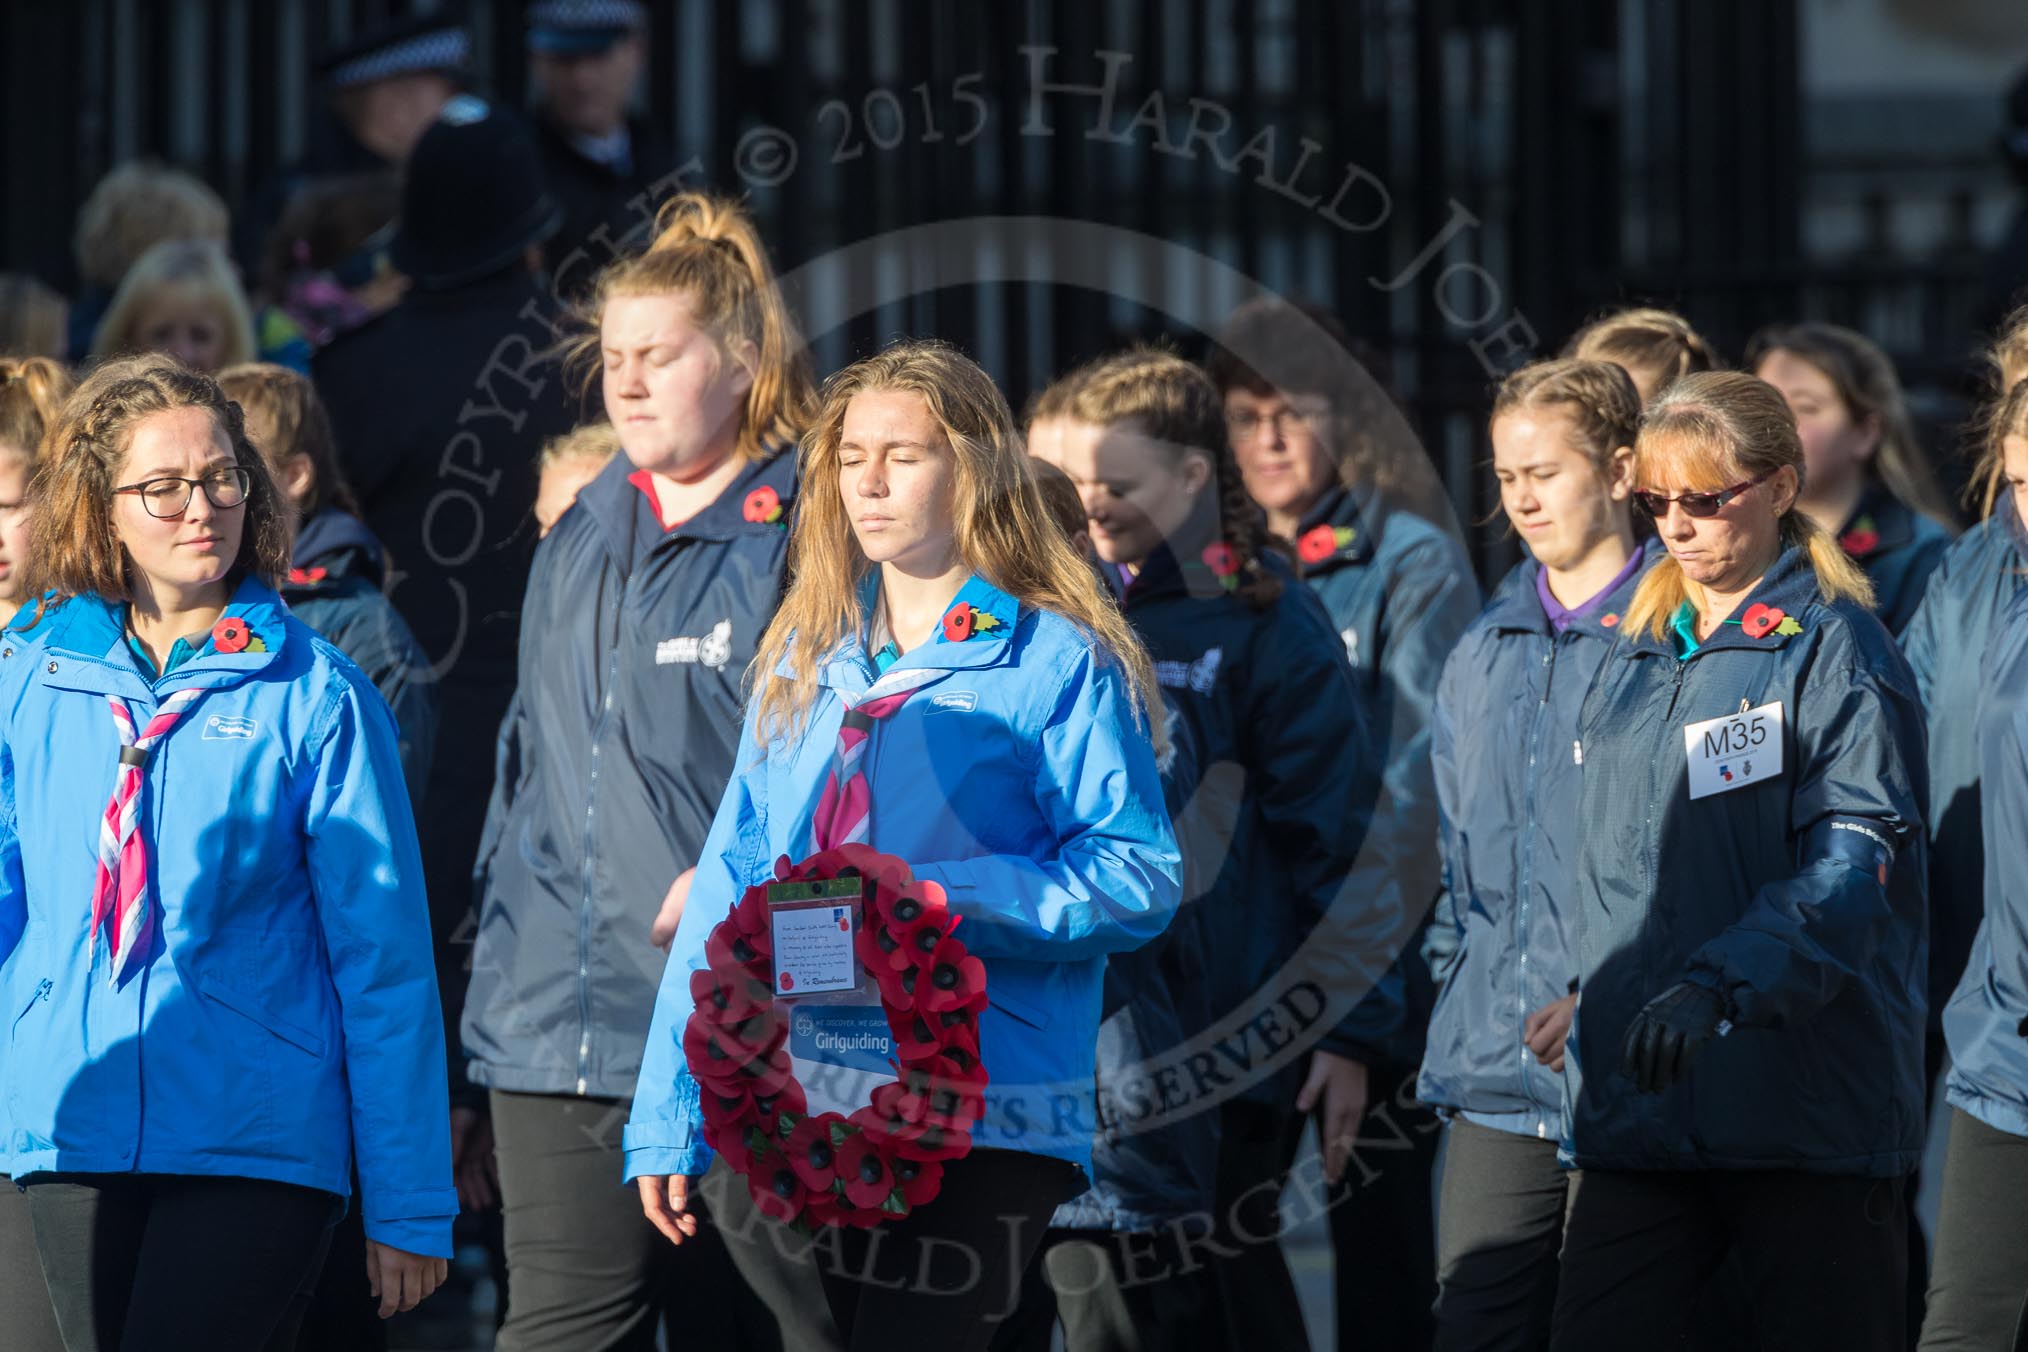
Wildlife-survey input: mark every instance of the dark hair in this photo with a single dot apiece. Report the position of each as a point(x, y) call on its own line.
point(74, 549)
point(1867, 385)
point(1174, 403)
point(289, 403)
point(326, 222)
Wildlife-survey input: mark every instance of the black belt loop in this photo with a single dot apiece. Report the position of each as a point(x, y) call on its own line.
point(134, 756)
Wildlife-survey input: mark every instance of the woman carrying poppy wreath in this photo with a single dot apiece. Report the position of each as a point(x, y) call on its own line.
point(1271, 831)
point(644, 605)
point(217, 952)
point(1006, 757)
point(1745, 1068)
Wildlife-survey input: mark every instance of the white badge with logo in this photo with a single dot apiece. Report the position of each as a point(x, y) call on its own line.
point(1734, 751)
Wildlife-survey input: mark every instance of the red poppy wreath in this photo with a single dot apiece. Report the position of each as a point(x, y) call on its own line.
point(887, 1157)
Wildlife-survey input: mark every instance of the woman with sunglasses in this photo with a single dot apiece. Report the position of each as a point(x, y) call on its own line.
point(215, 944)
point(1746, 1063)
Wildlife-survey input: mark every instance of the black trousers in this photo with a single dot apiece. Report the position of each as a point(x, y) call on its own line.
point(1251, 1293)
point(167, 1261)
point(1111, 1292)
point(1383, 1219)
point(1823, 1256)
point(1499, 1232)
point(586, 1270)
point(1979, 1277)
point(27, 1323)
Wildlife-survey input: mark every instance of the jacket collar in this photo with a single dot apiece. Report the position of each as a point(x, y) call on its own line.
point(1517, 606)
point(2011, 523)
point(1336, 533)
point(1880, 524)
point(332, 545)
point(1787, 591)
point(850, 669)
point(86, 647)
point(613, 502)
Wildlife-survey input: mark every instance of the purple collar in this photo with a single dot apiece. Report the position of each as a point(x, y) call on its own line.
point(1560, 615)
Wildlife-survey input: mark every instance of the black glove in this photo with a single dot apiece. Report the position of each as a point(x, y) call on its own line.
point(1667, 1033)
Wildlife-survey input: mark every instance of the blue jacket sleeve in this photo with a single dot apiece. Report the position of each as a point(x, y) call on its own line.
point(1115, 879)
point(665, 1131)
point(366, 874)
point(1926, 628)
point(1859, 746)
point(1430, 602)
point(1443, 943)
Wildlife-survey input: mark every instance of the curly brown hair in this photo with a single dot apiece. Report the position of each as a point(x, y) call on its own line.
point(74, 549)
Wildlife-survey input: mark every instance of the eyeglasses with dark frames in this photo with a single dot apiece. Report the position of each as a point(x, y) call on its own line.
point(167, 498)
point(1698, 505)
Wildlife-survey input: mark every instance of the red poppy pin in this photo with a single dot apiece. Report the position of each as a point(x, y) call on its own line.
point(1610, 620)
point(1321, 542)
point(763, 506)
point(1223, 561)
point(1862, 539)
point(1759, 620)
point(962, 621)
point(230, 635)
point(304, 577)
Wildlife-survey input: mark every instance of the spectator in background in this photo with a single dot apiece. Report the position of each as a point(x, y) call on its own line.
point(183, 298)
point(34, 320)
point(440, 408)
point(1656, 347)
point(587, 57)
point(324, 269)
point(569, 463)
point(134, 208)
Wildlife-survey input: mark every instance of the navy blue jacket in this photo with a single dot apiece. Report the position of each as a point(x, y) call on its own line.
point(1271, 832)
point(1780, 896)
point(612, 762)
point(1400, 592)
point(1503, 943)
point(334, 586)
point(1968, 593)
point(1899, 548)
point(1986, 1021)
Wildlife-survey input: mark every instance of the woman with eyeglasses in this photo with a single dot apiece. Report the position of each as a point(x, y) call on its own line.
point(214, 947)
point(1746, 1063)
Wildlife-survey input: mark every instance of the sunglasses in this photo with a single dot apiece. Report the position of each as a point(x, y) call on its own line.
point(1698, 505)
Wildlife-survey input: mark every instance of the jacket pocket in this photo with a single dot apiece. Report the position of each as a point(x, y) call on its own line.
point(1031, 1015)
point(250, 1008)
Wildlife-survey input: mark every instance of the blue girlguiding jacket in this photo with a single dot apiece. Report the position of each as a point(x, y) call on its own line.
point(1503, 943)
point(1899, 548)
point(612, 760)
point(1986, 1021)
point(1798, 898)
point(286, 1020)
point(334, 586)
point(1022, 781)
point(1970, 590)
point(1400, 593)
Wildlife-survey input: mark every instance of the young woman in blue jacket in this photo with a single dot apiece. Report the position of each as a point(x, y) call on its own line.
point(1868, 480)
point(645, 604)
point(1281, 976)
point(217, 951)
point(1502, 945)
point(32, 389)
point(1980, 1269)
point(1745, 1068)
point(1019, 773)
point(1326, 454)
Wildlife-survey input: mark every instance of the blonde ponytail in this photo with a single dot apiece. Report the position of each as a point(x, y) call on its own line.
point(708, 250)
point(1723, 428)
point(32, 390)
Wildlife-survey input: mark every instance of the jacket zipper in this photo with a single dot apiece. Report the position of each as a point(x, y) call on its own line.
point(1528, 861)
point(585, 911)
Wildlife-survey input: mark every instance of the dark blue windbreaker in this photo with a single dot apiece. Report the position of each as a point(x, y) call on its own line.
point(1270, 831)
point(1968, 593)
point(1986, 1021)
point(1503, 945)
point(612, 762)
point(1899, 548)
point(334, 587)
point(1779, 895)
point(1400, 592)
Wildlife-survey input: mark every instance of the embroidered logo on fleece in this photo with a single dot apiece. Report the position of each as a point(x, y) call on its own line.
point(713, 650)
point(963, 701)
point(1201, 675)
point(229, 728)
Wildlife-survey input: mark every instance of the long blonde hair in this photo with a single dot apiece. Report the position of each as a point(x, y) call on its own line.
point(1716, 429)
point(2008, 358)
point(1004, 534)
point(1645, 336)
point(707, 250)
point(197, 266)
